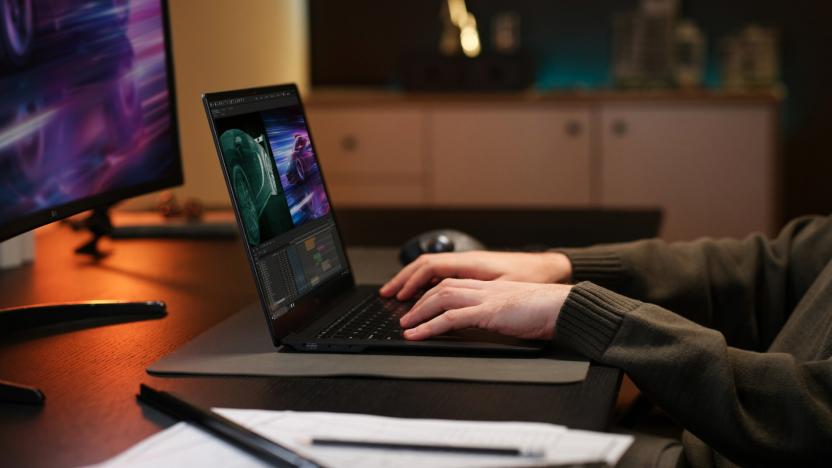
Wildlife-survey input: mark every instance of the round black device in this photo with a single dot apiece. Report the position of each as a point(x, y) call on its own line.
point(443, 240)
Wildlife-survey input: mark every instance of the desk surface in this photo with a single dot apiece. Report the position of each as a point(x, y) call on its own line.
point(90, 375)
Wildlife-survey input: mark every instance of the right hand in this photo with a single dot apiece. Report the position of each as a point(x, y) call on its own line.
point(523, 310)
point(546, 267)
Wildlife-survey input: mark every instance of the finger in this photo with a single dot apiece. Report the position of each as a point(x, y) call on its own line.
point(447, 299)
point(435, 288)
point(432, 268)
point(395, 283)
point(448, 283)
point(455, 319)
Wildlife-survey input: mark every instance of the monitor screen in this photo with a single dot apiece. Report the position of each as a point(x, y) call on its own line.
point(87, 114)
point(279, 194)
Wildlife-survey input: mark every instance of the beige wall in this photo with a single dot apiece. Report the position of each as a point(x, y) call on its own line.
point(220, 45)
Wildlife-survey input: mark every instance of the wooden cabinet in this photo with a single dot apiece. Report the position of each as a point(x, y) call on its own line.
point(708, 161)
point(371, 157)
point(497, 156)
point(711, 168)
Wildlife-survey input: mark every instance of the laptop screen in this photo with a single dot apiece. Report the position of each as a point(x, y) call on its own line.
point(275, 181)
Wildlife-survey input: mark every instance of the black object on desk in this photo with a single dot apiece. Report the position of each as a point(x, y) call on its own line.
point(17, 319)
point(18, 393)
point(267, 450)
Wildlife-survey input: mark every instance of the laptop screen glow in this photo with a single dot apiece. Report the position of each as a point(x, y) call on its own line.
point(275, 180)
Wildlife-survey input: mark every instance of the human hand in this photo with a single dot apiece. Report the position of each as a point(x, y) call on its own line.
point(544, 267)
point(522, 310)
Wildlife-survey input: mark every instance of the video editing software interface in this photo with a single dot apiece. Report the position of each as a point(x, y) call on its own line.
point(279, 194)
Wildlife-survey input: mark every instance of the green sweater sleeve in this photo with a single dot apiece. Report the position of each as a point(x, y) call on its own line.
point(743, 288)
point(754, 408)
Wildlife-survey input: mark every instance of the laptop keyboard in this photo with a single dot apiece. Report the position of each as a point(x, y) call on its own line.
point(372, 319)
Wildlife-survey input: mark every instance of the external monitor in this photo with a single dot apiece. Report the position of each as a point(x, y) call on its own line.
point(87, 118)
point(87, 109)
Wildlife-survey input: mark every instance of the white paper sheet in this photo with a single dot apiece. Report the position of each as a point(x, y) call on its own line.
point(185, 445)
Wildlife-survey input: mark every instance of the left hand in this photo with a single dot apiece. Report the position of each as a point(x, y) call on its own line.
point(522, 310)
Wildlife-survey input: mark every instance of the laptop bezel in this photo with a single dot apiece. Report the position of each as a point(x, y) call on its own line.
point(317, 302)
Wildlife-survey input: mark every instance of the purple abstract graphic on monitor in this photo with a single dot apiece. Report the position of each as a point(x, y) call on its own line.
point(296, 164)
point(83, 102)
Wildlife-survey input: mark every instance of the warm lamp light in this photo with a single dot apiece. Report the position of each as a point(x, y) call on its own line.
point(469, 37)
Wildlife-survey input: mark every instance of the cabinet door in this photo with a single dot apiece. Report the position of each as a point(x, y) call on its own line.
point(370, 157)
point(492, 156)
point(710, 167)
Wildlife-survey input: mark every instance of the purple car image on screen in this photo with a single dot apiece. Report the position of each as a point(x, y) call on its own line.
point(301, 161)
point(299, 173)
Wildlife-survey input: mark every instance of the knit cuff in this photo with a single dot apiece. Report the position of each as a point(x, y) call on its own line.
point(590, 318)
point(593, 265)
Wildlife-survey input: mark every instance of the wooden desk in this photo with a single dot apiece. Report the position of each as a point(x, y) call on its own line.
point(90, 375)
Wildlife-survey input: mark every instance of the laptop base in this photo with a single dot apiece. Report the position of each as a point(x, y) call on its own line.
point(470, 341)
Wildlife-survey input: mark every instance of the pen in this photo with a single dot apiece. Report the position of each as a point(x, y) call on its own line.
point(466, 449)
point(224, 428)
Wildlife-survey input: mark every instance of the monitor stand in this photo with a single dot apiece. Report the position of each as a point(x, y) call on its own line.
point(23, 318)
point(17, 319)
point(100, 224)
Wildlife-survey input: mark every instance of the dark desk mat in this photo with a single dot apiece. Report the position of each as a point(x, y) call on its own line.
point(241, 346)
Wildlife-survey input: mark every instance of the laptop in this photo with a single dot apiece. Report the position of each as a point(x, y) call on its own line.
point(290, 233)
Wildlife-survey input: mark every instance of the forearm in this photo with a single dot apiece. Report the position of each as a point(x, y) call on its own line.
point(753, 408)
point(743, 288)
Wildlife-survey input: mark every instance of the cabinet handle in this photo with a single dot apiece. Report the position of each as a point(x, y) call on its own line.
point(574, 128)
point(620, 128)
point(349, 143)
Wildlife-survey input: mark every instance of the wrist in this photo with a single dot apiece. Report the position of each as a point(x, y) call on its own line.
point(559, 267)
point(560, 294)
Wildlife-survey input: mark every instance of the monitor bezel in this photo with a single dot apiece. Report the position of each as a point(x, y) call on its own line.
point(49, 215)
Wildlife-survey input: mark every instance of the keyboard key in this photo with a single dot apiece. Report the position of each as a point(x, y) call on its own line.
point(372, 319)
